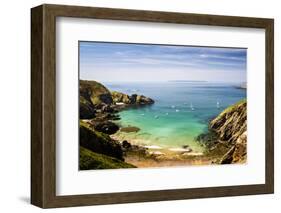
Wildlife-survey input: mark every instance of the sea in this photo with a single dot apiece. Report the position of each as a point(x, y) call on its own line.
point(182, 110)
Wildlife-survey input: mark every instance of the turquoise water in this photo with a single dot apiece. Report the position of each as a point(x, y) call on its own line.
point(182, 110)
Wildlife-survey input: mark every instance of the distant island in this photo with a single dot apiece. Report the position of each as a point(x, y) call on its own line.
point(242, 86)
point(187, 81)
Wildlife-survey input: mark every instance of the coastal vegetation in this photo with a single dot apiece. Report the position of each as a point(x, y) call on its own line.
point(93, 160)
point(103, 146)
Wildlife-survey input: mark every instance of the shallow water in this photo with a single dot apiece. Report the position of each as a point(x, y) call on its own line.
point(182, 110)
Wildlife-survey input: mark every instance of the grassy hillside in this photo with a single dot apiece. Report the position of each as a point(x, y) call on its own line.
point(91, 160)
point(99, 142)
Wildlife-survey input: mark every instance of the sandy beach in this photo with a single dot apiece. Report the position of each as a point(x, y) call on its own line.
point(157, 156)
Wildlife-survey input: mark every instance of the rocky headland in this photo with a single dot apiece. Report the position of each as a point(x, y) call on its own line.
point(226, 140)
point(98, 109)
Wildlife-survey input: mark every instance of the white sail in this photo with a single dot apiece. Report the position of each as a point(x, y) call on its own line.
point(191, 107)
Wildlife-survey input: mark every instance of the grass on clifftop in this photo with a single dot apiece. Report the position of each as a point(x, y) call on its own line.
point(91, 160)
point(100, 135)
point(94, 92)
point(230, 108)
point(95, 86)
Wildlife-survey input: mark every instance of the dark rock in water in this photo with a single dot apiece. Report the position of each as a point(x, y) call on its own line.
point(106, 127)
point(142, 100)
point(126, 144)
point(99, 142)
point(114, 117)
point(119, 97)
point(185, 146)
point(130, 129)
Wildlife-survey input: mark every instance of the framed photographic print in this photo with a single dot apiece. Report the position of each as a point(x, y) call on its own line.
point(136, 106)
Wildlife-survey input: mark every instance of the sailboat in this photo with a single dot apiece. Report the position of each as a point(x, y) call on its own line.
point(218, 104)
point(191, 107)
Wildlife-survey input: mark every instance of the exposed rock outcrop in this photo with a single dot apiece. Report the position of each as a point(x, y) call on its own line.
point(227, 136)
point(106, 127)
point(134, 99)
point(231, 127)
point(238, 152)
point(231, 123)
point(119, 97)
point(96, 98)
point(86, 109)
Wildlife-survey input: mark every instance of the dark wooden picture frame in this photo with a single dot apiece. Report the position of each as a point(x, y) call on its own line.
point(43, 105)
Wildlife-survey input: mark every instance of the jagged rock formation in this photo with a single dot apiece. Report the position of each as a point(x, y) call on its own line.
point(238, 152)
point(226, 139)
point(96, 98)
point(231, 123)
point(230, 127)
point(119, 97)
point(134, 99)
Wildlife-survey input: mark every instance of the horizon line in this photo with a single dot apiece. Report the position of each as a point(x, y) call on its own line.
point(162, 81)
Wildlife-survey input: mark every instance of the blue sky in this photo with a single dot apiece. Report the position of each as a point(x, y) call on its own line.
point(141, 62)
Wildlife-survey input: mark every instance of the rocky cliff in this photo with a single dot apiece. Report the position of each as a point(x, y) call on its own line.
point(98, 109)
point(231, 127)
point(95, 97)
point(227, 136)
point(231, 123)
point(95, 92)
